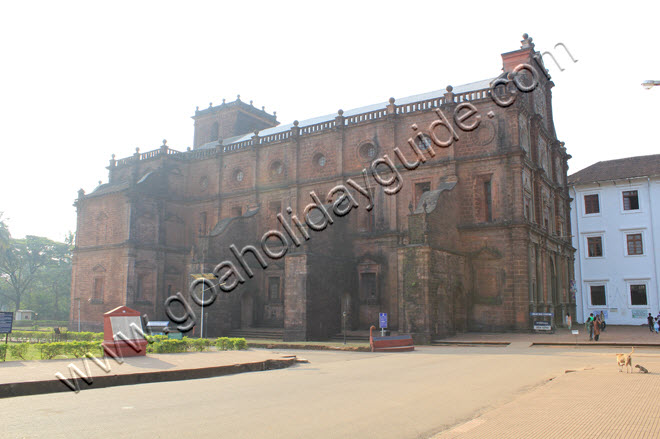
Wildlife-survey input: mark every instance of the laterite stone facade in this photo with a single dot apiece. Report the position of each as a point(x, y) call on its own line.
point(454, 216)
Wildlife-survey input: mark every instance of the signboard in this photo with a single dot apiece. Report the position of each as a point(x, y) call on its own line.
point(542, 326)
point(6, 321)
point(541, 314)
point(640, 313)
point(382, 320)
point(575, 332)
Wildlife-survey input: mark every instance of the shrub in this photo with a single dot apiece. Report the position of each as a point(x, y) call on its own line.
point(78, 349)
point(227, 344)
point(19, 350)
point(3, 350)
point(198, 344)
point(224, 343)
point(169, 346)
point(52, 350)
point(240, 344)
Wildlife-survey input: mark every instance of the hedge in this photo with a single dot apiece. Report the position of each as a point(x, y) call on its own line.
point(226, 343)
point(3, 350)
point(30, 323)
point(45, 336)
point(19, 350)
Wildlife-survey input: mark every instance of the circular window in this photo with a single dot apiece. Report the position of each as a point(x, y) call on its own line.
point(276, 168)
point(319, 160)
point(238, 175)
point(368, 151)
point(424, 142)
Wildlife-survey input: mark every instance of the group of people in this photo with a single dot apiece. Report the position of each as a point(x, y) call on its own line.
point(654, 323)
point(595, 325)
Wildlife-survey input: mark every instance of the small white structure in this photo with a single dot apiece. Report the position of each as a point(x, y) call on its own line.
point(24, 314)
point(615, 222)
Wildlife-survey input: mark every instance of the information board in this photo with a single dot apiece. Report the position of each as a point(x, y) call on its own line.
point(382, 320)
point(6, 322)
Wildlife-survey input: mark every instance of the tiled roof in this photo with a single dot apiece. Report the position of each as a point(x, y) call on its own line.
point(641, 166)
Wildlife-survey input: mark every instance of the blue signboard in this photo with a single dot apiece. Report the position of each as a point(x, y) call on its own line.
point(6, 321)
point(382, 320)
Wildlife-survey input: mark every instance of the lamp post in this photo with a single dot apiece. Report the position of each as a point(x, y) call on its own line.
point(650, 84)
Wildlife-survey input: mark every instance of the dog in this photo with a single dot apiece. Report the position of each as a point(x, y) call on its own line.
point(625, 360)
point(642, 369)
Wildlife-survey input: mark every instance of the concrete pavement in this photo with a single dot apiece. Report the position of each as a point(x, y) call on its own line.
point(19, 378)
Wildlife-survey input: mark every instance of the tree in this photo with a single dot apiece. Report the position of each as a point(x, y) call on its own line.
point(24, 259)
point(4, 234)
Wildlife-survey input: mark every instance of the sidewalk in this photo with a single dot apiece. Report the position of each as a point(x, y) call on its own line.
point(19, 378)
point(612, 336)
point(596, 403)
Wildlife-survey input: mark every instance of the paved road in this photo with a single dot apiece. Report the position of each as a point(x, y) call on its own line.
point(337, 395)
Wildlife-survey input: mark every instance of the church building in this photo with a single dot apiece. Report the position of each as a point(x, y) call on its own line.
point(449, 211)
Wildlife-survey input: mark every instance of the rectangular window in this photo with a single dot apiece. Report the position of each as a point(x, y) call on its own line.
point(420, 188)
point(638, 295)
point(634, 242)
point(97, 294)
point(489, 201)
point(598, 295)
point(591, 204)
point(595, 246)
point(274, 288)
point(630, 200)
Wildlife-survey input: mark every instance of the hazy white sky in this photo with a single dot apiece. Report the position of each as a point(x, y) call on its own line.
point(80, 81)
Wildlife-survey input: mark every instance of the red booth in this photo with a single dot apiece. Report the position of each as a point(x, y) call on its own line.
point(123, 333)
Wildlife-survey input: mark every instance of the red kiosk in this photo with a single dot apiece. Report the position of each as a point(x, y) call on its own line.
point(123, 334)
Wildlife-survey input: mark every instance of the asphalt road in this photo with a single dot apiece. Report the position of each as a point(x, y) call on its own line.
point(336, 395)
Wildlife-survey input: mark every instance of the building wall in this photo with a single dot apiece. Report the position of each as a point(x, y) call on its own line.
point(491, 250)
point(616, 270)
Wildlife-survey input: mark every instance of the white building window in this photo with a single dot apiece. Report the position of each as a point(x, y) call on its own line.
point(630, 200)
point(591, 204)
point(597, 295)
point(638, 296)
point(594, 246)
point(634, 245)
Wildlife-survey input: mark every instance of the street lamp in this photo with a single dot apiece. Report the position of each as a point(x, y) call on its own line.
point(650, 84)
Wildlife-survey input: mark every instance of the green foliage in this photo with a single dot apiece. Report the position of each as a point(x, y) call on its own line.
point(78, 349)
point(3, 350)
point(156, 338)
point(19, 350)
point(224, 343)
point(240, 344)
point(227, 344)
point(170, 346)
point(35, 273)
point(43, 336)
point(51, 350)
point(41, 323)
point(198, 344)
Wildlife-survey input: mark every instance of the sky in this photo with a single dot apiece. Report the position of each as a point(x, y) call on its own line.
point(80, 81)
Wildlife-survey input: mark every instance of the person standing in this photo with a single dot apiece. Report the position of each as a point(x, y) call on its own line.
point(657, 325)
point(590, 326)
point(568, 321)
point(596, 326)
point(650, 320)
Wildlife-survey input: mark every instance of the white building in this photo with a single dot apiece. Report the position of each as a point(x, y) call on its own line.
point(615, 221)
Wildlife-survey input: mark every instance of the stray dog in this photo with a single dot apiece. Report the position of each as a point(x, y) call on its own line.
point(625, 360)
point(642, 369)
